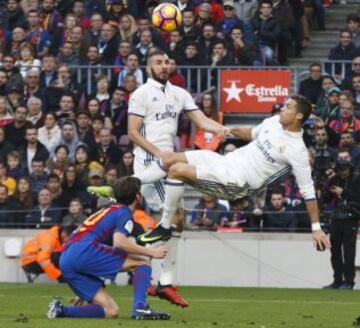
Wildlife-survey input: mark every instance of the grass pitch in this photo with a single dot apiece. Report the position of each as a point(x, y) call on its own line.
point(25, 305)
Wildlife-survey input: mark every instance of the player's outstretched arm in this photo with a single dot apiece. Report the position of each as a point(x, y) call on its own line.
point(321, 241)
point(208, 124)
point(243, 132)
point(121, 241)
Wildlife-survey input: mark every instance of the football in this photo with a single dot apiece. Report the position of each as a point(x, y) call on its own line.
point(167, 17)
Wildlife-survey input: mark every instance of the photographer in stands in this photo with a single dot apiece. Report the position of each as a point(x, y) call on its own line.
point(343, 193)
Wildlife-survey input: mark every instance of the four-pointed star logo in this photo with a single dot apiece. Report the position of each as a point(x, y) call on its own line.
point(233, 92)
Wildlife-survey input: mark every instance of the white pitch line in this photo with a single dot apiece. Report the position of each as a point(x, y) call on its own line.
point(215, 300)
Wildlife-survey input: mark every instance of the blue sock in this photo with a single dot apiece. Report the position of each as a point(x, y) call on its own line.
point(86, 311)
point(141, 282)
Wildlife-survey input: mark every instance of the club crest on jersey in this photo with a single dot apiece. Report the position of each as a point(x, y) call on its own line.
point(155, 99)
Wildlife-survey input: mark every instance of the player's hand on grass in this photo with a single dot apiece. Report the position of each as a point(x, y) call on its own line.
point(321, 240)
point(159, 252)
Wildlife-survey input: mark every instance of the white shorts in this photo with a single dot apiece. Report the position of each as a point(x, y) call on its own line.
point(215, 176)
point(153, 193)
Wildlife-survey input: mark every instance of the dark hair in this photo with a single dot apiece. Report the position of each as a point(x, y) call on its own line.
point(53, 176)
point(62, 146)
point(315, 65)
point(303, 106)
point(126, 189)
point(352, 17)
point(328, 77)
point(156, 52)
point(28, 200)
point(268, 2)
point(68, 229)
point(355, 75)
point(345, 30)
point(237, 27)
point(37, 159)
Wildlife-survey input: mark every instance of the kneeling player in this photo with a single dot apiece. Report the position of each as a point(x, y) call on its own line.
point(98, 250)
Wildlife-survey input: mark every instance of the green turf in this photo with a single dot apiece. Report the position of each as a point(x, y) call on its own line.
point(24, 305)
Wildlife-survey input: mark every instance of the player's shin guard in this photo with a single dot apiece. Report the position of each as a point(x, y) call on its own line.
point(154, 172)
point(174, 191)
point(141, 282)
point(86, 311)
point(168, 273)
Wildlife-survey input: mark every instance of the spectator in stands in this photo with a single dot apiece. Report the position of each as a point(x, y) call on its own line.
point(13, 162)
point(14, 16)
point(244, 53)
point(353, 25)
point(17, 37)
point(38, 38)
point(321, 154)
point(71, 184)
point(311, 87)
point(13, 76)
point(27, 60)
point(191, 58)
point(142, 48)
point(220, 56)
point(97, 123)
point(92, 35)
point(49, 135)
point(230, 20)
point(126, 164)
point(175, 77)
point(78, 10)
point(24, 195)
point(102, 94)
point(15, 131)
point(93, 107)
point(32, 148)
point(229, 147)
point(51, 21)
point(69, 137)
point(124, 50)
point(118, 108)
point(5, 116)
point(278, 216)
point(60, 198)
point(356, 88)
point(35, 115)
point(84, 128)
point(203, 139)
point(347, 142)
point(208, 213)
point(32, 86)
point(246, 10)
point(6, 180)
point(5, 145)
point(331, 109)
point(106, 151)
point(127, 28)
point(107, 44)
point(267, 32)
point(347, 121)
point(78, 43)
point(111, 175)
point(132, 67)
point(346, 83)
point(38, 176)
point(343, 191)
point(14, 98)
point(75, 214)
point(216, 10)
point(206, 42)
point(3, 82)
point(237, 217)
point(67, 55)
point(176, 45)
point(130, 86)
point(345, 50)
point(9, 218)
point(327, 82)
point(82, 163)
point(66, 108)
point(204, 15)
point(60, 160)
point(189, 31)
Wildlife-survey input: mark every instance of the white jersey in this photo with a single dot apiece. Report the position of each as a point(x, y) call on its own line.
point(160, 107)
point(273, 153)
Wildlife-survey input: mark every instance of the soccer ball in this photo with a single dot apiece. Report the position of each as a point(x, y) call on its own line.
point(166, 17)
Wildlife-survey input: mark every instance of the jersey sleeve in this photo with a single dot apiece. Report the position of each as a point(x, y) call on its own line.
point(257, 129)
point(125, 225)
point(189, 104)
point(301, 169)
point(137, 104)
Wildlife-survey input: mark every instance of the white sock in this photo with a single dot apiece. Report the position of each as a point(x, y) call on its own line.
point(168, 272)
point(174, 190)
point(154, 172)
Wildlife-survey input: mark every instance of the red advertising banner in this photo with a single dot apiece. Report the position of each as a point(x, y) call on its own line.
point(253, 91)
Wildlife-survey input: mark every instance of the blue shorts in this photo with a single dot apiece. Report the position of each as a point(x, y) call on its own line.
point(85, 266)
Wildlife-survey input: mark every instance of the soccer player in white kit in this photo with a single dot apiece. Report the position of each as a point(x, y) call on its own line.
point(276, 148)
point(153, 114)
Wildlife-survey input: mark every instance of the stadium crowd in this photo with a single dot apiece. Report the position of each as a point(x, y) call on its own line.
point(63, 114)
